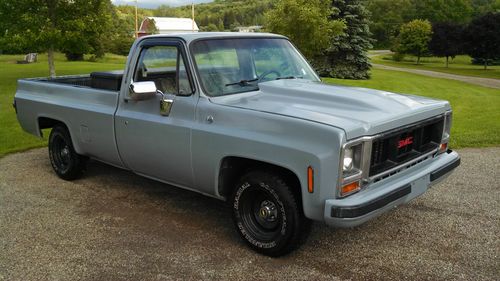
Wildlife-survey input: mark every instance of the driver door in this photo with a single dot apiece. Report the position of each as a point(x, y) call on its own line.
point(150, 143)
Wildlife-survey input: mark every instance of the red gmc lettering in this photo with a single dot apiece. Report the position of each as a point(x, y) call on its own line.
point(405, 142)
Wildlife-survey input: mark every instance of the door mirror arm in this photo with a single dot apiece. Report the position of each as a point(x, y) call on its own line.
point(165, 104)
point(145, 90)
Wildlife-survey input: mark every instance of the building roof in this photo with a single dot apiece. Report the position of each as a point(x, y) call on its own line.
point(173, 24)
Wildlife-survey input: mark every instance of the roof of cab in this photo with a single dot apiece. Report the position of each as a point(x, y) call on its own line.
point(192, 36)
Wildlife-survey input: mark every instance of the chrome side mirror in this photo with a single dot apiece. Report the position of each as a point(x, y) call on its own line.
point(146, 90)
point(142, 90)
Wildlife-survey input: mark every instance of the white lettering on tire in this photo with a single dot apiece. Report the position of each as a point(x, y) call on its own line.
point(245, 234)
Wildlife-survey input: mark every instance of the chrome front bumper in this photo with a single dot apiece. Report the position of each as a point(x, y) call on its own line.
point(386, 194)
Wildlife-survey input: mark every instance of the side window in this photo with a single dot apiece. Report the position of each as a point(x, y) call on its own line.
point(184, 85)
point(165, 66)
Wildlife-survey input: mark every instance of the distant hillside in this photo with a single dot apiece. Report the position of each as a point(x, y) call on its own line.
point(218, 15)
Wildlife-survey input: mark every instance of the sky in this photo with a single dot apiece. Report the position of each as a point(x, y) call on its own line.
point(155, 3)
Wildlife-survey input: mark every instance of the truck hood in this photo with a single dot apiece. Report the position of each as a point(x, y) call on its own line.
point(358, 111)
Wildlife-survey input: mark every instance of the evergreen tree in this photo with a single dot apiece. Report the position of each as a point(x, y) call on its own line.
point(347, 56)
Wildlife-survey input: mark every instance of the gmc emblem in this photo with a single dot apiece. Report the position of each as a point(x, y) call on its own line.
point(405, 142)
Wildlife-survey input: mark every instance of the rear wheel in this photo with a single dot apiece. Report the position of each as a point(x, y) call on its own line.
point(67, 164)
point(267, 214)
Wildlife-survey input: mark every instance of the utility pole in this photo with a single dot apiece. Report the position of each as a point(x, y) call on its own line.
point(136, 28)
point(192, 15)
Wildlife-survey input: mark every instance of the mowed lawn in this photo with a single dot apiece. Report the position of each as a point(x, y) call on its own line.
point(460, 65)
point(12, 137)
point(476, 109)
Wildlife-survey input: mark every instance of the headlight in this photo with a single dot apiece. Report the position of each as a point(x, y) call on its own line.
point(348, 161)
point(351, 169)
point(352, 160)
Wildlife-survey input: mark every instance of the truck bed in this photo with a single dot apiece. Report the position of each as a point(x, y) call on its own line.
point(86, 104)
point(109, 80)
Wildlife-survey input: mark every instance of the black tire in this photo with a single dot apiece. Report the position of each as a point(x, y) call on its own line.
point(267, 215)
point(67, 164)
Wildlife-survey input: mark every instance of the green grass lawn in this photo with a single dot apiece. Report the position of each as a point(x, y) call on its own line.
point(476, 109)
point(461, 65)
point(12, 137)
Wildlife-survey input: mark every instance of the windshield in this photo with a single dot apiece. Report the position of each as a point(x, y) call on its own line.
point(230, 66)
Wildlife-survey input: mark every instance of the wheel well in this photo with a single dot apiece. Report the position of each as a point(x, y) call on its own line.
point(45, 123)
point(233, 168)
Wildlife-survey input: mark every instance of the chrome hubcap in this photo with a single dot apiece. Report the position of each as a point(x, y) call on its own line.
point(65, 155)
point(268, 211)
point(65, 151)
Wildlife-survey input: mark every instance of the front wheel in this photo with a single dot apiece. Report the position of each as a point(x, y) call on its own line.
point(267, 214)
point(67, 164)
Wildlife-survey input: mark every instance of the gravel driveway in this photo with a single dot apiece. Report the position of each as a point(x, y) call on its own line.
point(485, 82)
point(113, 225)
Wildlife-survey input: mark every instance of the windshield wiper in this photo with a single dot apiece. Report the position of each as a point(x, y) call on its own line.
point(289, 77)
point(243, 83)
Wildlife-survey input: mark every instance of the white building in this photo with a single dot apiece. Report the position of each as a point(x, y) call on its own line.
point(167, 25)
point(254, 28)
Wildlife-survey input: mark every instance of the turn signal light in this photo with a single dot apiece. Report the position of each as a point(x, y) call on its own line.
point(348, 188)
point(310, 179)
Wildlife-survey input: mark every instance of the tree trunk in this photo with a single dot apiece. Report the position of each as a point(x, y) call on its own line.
point(446, 61)
point(418, 59)
point(51, 13)
point(52, 68)
point(485, 64)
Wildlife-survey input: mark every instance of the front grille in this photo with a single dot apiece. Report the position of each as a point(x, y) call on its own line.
point(397, 147)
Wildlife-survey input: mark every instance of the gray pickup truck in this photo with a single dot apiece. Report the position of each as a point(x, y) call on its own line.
point(244, 118)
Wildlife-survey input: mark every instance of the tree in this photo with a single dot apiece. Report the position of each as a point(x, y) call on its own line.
point(414, 38)
point(347, 55)
point(386, 19)
point(306, 23)
point(209, 28)
point(246, 12)
point(84, 25)
point(387, 16)
point(122, 32)
point(151, 27)
point(220, 25)
point(482, 38)
point(458, 11)
point(481, 7)
point(48, 25)
point(446, 40)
